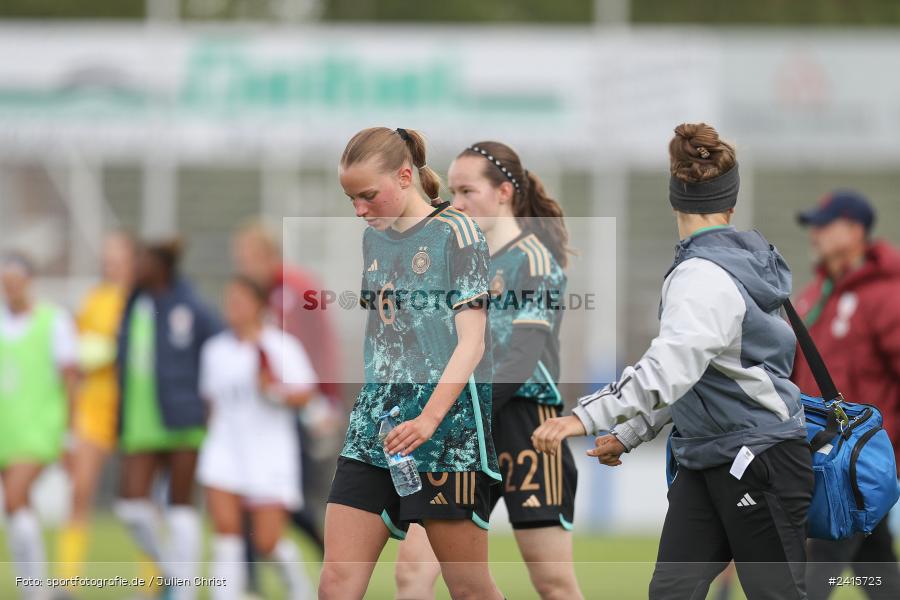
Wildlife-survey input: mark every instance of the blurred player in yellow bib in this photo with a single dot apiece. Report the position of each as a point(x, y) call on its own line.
point(96, 405)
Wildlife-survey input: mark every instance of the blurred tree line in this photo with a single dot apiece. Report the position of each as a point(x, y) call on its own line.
point(769, 12)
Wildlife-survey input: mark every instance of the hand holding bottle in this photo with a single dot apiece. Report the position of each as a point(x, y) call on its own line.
point(409, 435)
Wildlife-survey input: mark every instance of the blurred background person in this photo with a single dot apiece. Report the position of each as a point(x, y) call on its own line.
point(258, 255)
point(852, 313)
point(162, 415)
point(38, 376)
point(95, 415)
point(254, 378)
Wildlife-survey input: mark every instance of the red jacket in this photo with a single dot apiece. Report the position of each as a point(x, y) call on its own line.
point(858, 334)
point(312, 327)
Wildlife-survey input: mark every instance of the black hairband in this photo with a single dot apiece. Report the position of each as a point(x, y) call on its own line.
point(496, 163)
point(404, 135)
point(705, 197)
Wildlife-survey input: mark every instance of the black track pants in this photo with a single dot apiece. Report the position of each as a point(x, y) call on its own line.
point(758, 521)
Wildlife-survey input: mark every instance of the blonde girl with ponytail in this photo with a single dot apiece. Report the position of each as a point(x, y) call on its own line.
point(424, 286)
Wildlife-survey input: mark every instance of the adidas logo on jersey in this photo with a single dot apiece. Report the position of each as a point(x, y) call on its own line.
point(746, 501)
point(373, 267)
point(439, 499)
point(532, 502)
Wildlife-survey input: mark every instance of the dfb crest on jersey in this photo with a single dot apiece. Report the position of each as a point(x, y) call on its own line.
point(421, 261)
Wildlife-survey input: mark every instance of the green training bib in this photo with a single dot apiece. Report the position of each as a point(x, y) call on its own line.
point(32, 395)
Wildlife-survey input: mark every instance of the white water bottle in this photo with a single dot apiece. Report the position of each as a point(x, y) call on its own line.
point(404, 472)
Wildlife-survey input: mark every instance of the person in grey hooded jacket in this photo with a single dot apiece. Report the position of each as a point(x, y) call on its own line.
point(719, 371)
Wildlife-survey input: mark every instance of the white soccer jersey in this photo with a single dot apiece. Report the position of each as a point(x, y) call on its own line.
point(251, 448)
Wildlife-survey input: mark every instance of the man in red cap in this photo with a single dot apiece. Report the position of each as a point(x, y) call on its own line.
point(852, 313)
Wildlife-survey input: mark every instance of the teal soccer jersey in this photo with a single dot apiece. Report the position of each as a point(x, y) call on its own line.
point(527, 289)
point(414, 283)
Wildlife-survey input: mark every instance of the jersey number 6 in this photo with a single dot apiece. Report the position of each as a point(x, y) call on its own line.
point(386, 308)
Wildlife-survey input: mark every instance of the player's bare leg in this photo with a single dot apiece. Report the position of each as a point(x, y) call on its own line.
point(548, 553)
point(137, 473)
point(462, 549)
point(268, 527)
point(354, 540)
point(84, 465)
point(225, 510)
point(182, 467)
point(17, 482)
point(417, 569)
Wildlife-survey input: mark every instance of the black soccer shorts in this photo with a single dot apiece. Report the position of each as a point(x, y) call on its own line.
point(538, 488)
point(444, 496)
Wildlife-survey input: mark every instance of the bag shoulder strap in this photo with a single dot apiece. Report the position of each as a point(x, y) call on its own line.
point(820, 373)
point(808, 347)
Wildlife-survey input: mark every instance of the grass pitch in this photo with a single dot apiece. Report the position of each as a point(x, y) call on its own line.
point(608, 567)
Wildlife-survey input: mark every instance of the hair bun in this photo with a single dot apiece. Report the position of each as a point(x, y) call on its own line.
point(699, 135)
point(697, 153)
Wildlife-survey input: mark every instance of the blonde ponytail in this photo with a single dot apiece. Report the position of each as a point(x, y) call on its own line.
point(394, 148)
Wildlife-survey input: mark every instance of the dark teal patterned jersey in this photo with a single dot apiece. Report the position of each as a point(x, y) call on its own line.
point(414, 284)
point(527, 290)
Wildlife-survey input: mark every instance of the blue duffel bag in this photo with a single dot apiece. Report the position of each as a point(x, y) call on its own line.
point(853, 460)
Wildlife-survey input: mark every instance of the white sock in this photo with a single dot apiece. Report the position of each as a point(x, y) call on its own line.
point(288, 559)
point(228, 554)
point(27, 549)
point(184, 548)
point(142, 520)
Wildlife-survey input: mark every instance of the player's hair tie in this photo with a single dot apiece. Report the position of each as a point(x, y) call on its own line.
point(496, 163)
point(404, 135)
point(704, 153)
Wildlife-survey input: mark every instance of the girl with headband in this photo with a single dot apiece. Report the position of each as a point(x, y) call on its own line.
point(527, 238)
point(719, 371)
